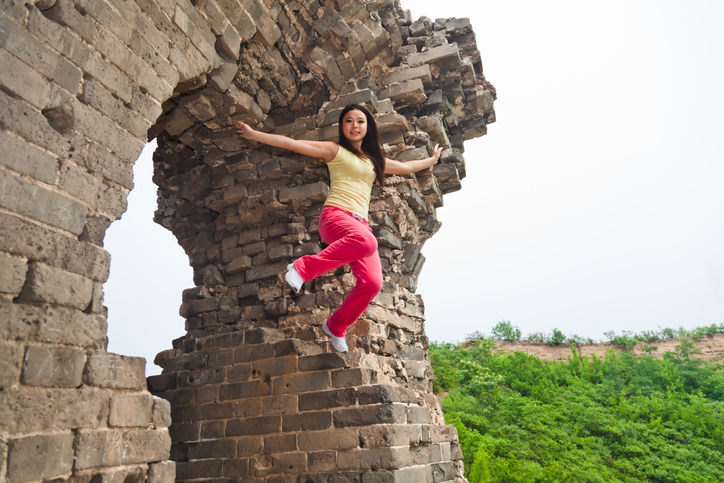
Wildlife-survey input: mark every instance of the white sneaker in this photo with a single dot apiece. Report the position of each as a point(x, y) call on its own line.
point(293, 278)
point(339, 343)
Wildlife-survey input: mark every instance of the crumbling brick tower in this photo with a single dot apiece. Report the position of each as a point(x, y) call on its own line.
point(255, 392)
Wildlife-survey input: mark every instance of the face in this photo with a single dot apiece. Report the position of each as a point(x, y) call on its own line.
point(354, 126)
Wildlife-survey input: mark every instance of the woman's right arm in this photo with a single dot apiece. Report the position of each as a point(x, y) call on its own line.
point(326, 150)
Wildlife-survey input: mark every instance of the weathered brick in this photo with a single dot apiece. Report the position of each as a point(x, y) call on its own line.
point(41, 204)
point(23, 158)
point(143, 446)
point(185, 431)
point(267, 30)
point(131, 410)
point(43, 323)
point(12, 274)
point(164, 472)
point(18, 78)
point(327, 399)
point(37, 55)
point(369, 415)
point(23, 411)
point(367, 459)
point(39, 457)
point(213, 411)
point(212, 449)
point(330, 439)
point(92, 190)
point(279, 405)
point(11, 357)
point(187, 470)
point(284, 443)
point(161, 415)
point(405, 94)
point(244, 390)
point(250, 446)
point(383, 436)
point(52, 366)
point(98, 448)
point(53, 285)
point(311, 421)
point(254, 426)
point(301, 382)
point(114, 371)
point(351, 377)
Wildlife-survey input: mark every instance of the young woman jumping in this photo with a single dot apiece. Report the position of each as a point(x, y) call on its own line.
point(354, 164)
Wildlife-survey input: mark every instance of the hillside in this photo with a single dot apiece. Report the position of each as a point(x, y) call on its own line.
point(711, 347)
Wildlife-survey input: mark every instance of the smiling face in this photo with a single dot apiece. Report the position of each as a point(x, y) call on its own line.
point(354, 126)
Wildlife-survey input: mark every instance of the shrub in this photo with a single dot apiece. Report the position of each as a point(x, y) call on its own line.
point(504, 330)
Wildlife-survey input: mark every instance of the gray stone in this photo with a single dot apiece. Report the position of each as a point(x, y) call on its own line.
point(161, 472)
point(445, 56)
point(161, 416)
point(146, 445)
point(37, 55)
point(23, 411)
point(229, 43)
point(26, 159)
point(18, 78)
point(46, 284)
point(405, 94)
point(315, 192)
point(39, 457)
point(405, 74)
point(267, 30)
point(52, 366)
point(131, 410)
point(12, 274)
point(25, 239)
point(41, 204)
point(64, 13)
point(114, 371)
point(325, 65)
point(434, 126)
point(48, 324)
point(11, 357)
point(98, 448)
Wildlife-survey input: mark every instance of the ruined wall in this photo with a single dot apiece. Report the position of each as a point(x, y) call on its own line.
point(254, 390)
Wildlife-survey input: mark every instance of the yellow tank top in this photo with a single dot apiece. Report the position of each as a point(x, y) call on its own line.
point(351, 179)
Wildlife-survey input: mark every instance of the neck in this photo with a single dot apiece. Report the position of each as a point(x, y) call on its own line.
point(358, 146)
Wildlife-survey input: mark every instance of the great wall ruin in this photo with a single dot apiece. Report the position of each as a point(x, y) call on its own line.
point(253, 392)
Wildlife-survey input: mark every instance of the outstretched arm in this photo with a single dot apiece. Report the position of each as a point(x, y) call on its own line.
point(396, 167)
point(326, 150)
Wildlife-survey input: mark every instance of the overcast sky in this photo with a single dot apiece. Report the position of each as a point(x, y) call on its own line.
point(595, 202)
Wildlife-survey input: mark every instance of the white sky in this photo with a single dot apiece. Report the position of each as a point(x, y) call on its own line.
point(594, 203)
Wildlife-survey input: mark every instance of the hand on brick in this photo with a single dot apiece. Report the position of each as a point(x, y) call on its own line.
point(437, 152)
point(244, 130)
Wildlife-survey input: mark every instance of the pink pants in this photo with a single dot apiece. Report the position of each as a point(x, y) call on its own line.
point(350, 241)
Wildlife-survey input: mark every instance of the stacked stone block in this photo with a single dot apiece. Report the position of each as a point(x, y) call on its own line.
point(259, 406)
point(83, 85)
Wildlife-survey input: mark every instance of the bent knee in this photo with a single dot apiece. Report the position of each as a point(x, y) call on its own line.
point(371, 285)
point(367, 244)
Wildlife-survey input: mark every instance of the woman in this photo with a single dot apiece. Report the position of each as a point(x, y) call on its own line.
point(354, 164)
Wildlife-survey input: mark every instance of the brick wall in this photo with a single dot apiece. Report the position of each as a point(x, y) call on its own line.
point(253, 390)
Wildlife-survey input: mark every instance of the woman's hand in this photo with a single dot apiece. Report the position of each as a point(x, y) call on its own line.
point(244, 130)
point(396, 167)
point(436, 153)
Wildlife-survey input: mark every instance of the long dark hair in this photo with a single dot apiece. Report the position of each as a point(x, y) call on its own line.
point(371, 143)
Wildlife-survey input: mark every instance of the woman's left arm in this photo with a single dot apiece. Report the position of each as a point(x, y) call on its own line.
point(396, 167)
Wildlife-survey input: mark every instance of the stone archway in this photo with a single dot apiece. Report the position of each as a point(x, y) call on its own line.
point(252, 388)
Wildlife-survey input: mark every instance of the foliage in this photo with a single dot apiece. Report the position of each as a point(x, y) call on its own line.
point(620, 418)
point(504, 330)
